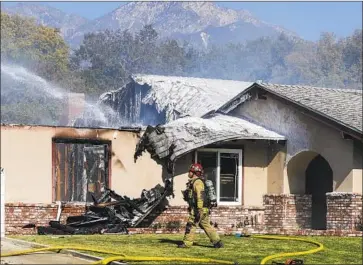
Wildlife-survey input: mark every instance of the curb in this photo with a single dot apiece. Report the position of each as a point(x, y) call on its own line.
point(65, 251)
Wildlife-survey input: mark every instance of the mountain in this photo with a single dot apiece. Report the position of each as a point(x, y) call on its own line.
point(201, 23)
point(48, 16)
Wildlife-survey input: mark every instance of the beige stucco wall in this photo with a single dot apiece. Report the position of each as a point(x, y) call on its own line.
point(181, 177)
point(26, 155)
point(254, 173)
point(276, 162)
point(305, 134)
point(358, 165)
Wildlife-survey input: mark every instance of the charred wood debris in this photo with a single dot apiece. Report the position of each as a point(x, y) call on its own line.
point(111, 213)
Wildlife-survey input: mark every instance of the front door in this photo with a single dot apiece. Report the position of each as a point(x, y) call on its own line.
point(319, 181)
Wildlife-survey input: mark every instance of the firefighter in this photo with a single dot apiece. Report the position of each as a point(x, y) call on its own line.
point(198, 210)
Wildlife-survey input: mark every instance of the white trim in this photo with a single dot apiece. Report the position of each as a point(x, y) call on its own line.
point(240, 177)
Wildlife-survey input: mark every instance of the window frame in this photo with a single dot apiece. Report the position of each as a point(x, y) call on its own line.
point(239, 201)
point(56, 140)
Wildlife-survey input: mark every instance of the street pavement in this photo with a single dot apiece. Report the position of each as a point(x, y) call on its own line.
point(7, 245)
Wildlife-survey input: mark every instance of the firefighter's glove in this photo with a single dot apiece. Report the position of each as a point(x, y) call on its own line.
point(198, 216)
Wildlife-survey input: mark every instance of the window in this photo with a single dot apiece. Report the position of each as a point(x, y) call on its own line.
point(224, 168)
point(79, 169)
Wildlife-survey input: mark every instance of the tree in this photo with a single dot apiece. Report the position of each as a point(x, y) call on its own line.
point(106, 59)
point(39, 48)
point(43, 51)
point(103, 60)
point(352, 59)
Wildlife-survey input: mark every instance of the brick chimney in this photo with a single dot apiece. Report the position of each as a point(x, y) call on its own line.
point(75, 105)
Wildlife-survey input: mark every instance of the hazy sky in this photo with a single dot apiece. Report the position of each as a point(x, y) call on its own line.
point(308, 19)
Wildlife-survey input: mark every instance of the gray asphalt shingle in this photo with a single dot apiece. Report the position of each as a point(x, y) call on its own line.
point(342, 105)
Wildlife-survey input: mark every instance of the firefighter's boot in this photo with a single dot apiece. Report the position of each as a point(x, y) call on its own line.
point(219, 244)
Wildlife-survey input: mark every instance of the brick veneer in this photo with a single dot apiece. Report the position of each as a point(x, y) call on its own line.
point(224, 218)
point(343, 210)
point(21, 214)
point(287, 211)
point(284, 214)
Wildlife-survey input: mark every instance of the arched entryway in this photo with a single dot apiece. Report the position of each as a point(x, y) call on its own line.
point(319, 181)
point(309, 173)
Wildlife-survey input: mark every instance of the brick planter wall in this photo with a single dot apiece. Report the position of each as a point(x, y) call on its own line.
point(283, 214)
point(21, 214)
point(344, 210)
point(287, 211)
point(226, 219)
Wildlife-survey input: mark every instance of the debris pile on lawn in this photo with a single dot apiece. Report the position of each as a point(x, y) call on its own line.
point(111, 213)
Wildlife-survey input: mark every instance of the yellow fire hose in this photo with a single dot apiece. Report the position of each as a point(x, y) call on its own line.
point(122, 257)
point(290, 254)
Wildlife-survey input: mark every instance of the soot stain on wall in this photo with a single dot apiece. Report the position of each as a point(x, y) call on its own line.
point(300, 131)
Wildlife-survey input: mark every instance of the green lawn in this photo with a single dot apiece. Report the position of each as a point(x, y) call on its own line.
point(338, 250)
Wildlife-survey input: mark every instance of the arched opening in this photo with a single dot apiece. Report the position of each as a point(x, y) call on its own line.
point(309, 173)
point(319, 181)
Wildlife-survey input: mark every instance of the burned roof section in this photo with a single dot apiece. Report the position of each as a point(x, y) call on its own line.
point(170, 141)
point(188, 95)
point(155, 99)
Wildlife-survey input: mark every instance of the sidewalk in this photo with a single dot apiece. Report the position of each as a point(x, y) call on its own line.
point(7, 245)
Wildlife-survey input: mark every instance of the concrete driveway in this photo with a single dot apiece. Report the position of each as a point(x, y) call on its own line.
point(8, 245)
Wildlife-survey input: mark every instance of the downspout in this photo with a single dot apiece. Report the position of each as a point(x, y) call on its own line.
point(59, 210)
point(2, 229)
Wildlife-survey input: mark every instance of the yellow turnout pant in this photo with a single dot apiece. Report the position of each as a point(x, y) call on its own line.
point(203, 223)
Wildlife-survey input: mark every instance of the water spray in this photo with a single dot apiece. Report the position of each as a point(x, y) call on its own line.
point(24, 81)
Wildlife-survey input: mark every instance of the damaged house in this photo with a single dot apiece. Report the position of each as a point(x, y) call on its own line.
point(280, 156)
point(65, 173)
point(283, 159)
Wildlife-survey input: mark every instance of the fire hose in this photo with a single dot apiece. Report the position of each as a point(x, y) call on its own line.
point(122, 257)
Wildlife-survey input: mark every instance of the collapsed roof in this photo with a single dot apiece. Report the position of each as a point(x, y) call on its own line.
point(168, 142)
point(155, 99)
point(188, 95)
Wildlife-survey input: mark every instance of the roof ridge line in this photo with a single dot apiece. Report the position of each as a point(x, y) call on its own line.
point(315, 87)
